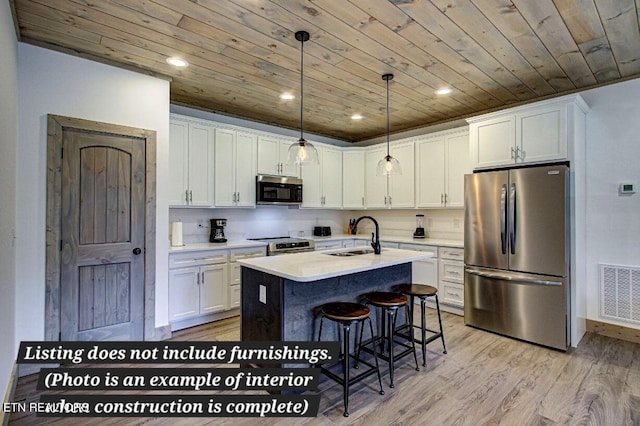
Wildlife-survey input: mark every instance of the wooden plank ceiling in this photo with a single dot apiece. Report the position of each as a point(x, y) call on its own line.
point(243, 53)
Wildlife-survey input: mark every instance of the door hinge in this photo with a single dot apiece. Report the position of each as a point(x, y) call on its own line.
point(59, 335)
point(60, 245)
point(61, 152)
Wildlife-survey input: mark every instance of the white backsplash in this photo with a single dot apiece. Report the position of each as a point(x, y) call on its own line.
point(438, 223)
point(261, 222)
point(278, 221)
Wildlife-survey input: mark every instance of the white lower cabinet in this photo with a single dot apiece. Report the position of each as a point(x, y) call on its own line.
point(424, 271)
point(205, 286)
point(331, 244)
point(235, 281)
point(198, 284)
point(451, 275)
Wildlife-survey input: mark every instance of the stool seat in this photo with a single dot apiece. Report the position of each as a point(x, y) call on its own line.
point(345, 311)
point(418, 290)
point(386, 299)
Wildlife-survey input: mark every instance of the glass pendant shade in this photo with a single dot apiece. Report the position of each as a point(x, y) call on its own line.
point(388, 165)
point(302, 153)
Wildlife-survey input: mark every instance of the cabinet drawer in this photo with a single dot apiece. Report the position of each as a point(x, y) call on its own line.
point(236, 254)
point(420, 247)
point(324, 245)
point(199, 258)
point(451, 253)
point(451, 271)
point(388, 244)
point(452, 293)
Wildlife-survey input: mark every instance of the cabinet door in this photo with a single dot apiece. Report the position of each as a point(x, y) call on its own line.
point(200, 165)
point(234, 296)
point(375, 186)
point(458, 163)
point(331, 178)
point(268, 155)
point(245, 169)
point(224, 170)
point(353, 179)
point(178, 162)
point(402, 187)
point(430, 158)
point(312, 184)
point(214, 288)
point(425, 272)
point(493, 141)
point(183, 293)
point(287, 169)
point(541, 134)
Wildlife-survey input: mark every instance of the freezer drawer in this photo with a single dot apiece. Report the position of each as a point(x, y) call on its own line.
point(524, 306)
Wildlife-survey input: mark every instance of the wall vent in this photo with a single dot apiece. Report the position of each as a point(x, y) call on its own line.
point(620, 292)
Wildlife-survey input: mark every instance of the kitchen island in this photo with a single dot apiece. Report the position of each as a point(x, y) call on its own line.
point(281, 295)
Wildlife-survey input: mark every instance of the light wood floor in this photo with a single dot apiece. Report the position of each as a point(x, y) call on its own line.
point(484, 379)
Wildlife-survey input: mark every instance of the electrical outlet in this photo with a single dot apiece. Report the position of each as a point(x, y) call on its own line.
point(430, 223)
point(456, 223)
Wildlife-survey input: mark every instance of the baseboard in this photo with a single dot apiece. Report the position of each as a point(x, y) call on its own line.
point(614, 330)
point(162, 333)
point(8, 396)
point(203, 319)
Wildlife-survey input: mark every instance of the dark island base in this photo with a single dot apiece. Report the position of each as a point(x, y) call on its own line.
point(290, 311)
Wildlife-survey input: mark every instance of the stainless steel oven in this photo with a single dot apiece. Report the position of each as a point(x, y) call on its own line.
point(278, 190)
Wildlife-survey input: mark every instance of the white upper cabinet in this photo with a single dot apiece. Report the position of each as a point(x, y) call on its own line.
point(442, 161)
point(534, 133)
point(190, 163)
point(395, 191)
point(235, 168)
point(322, 185)
point(402, 187)
point(272, 157)
point(353, 179)
point(375, 186)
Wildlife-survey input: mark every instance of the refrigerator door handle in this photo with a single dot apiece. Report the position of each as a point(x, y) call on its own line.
point(512, 218)
point(510, 277)
point(503, 219)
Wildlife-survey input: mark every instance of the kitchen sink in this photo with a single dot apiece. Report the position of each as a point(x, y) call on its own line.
point(350, 252)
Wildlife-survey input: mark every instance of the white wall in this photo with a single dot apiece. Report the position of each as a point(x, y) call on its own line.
point(613, 157)
point(56, 83)
point(8, 142)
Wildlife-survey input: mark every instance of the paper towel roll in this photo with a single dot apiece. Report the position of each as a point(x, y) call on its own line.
point(176, 234)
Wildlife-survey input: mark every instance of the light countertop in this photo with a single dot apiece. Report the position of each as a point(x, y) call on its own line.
point(216, 246)
point(395, 239)
point(318, 265)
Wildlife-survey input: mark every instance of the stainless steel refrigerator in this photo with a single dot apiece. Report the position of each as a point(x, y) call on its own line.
point(516, 251)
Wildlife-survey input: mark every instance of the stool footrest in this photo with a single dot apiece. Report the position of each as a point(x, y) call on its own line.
point(381, 355)
point(352, 379)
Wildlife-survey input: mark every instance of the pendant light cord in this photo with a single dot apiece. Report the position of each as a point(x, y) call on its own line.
point(388, 117)
point(301, 86)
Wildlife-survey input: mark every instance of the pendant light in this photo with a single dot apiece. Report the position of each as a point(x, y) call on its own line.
point(388, 165)
point(302, 152)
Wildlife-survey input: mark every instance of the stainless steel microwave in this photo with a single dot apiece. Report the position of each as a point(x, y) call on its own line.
point(278, 190)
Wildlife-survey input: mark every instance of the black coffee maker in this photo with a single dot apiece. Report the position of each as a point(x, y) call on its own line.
point(217, 231)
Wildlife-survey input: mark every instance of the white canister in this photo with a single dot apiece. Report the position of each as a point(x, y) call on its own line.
point(176, 234)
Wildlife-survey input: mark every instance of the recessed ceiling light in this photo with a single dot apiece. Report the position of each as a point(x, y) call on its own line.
point(177, 62)
point(287, 96)
point(356, 117)
point(443, 91)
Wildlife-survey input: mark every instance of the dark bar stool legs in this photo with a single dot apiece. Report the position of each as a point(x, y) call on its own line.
point(347, 314)
point(423, 292)
point(389, 303)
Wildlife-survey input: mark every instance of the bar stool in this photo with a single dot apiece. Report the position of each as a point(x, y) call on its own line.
point(423, 292)
point(346, 314)
point(390, 302)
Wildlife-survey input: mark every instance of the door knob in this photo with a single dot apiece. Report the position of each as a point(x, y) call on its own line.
point(137, 251)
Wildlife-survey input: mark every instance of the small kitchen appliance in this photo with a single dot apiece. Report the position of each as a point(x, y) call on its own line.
point(217, 231)
point(322, 231)
point(419, 232)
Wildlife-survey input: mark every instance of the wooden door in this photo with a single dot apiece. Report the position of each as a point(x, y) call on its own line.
point(102, 237)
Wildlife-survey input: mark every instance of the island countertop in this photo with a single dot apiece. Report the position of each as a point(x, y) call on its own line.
point(318, 265)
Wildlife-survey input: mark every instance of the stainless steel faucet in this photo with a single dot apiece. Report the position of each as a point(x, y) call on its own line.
point(375, 237)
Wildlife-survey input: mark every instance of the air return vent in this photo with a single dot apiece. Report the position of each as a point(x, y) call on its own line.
point(620, 292)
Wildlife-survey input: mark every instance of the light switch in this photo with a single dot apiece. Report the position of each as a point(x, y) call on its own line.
point(263, 294)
